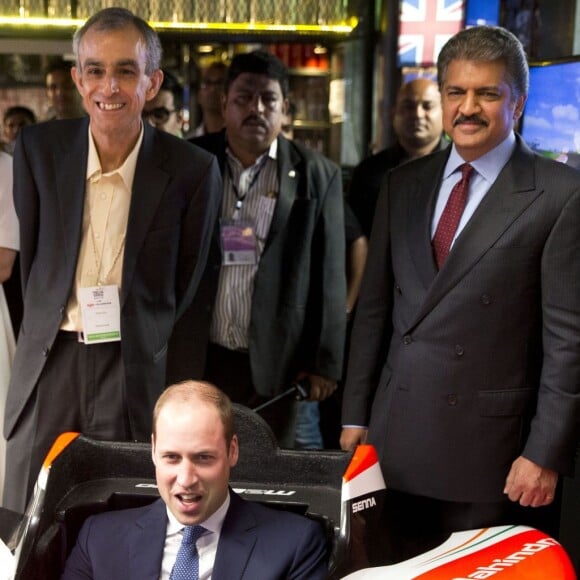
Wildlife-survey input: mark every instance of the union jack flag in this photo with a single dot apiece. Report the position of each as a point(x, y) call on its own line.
point(425, 26)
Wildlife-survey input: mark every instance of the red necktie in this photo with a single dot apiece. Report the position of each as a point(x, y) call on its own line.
point(451, 215)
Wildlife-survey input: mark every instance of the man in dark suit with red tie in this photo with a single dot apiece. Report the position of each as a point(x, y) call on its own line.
point(465, 361)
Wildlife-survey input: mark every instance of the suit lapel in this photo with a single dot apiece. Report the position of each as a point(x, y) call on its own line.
point(237, 540)
point(70, 187)
point(148, 189)
point(289, 177)
point(510, 195)
point(423, 194)
point(146, 543)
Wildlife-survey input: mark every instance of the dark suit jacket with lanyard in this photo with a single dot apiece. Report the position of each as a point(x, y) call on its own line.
point(460, 371)
point(174, 204)
point(298, 306)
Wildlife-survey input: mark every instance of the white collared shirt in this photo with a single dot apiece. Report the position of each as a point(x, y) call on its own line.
point(487, 168)
point(106, 212)
point(206, 545)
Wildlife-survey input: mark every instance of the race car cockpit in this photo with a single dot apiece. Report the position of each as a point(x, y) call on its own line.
point(345, 492)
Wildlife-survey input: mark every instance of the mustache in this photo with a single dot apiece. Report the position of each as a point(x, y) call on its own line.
point(255, 120)
point(469, 119)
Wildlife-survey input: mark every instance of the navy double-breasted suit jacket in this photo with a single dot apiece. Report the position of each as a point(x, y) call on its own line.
point(458, 372)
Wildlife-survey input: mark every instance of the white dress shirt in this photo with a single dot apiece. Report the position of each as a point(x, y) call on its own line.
point(206, 545)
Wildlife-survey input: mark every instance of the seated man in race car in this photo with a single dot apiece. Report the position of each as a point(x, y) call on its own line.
point(199, 528)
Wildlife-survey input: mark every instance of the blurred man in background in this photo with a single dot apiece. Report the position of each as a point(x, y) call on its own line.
point(14, 119)
point(417, 124)
point(165, 111)
point(210, 99)
point(63, 98)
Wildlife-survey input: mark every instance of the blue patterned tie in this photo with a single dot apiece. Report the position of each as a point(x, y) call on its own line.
point(186, 565)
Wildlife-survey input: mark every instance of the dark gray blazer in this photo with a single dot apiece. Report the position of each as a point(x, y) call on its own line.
point(298, 307)
point(256, 543)
point(459, 372)
point(175, 199)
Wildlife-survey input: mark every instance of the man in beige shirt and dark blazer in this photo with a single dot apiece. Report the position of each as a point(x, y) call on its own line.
point(109, 206)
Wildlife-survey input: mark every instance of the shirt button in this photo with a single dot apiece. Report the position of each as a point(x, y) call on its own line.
point(407, 339)
point(459, 350)
point(452, 400)
point(45, 351)
point(398, 289)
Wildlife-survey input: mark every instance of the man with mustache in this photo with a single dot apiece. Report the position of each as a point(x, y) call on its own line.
point(418, 126)
point(274, 312)
point(465, 361)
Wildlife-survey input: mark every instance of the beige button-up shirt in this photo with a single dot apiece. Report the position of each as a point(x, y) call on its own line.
point(106, 211)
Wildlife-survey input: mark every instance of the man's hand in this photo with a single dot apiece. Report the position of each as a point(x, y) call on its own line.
point(529, 484)
point(320, 387)
point(351, 437)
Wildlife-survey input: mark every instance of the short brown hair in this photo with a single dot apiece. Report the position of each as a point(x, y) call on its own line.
point(188, 392)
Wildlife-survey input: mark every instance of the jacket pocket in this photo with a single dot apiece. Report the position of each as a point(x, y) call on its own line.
point(505, 402)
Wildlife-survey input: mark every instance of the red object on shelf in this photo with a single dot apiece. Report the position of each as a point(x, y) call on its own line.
point(310, 58)
point(295, 56)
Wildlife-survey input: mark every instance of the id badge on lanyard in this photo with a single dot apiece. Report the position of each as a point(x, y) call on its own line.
point(101, 313)
point(239, 242)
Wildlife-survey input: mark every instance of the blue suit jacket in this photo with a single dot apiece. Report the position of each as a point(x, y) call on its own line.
point(256, 543)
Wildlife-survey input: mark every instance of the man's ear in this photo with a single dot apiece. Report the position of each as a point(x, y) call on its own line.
point(234, 451)
point(519, 109)
point(77, 78)
point(153, 449)
point(155, 80)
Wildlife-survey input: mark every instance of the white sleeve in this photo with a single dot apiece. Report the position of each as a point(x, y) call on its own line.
point(9, 237)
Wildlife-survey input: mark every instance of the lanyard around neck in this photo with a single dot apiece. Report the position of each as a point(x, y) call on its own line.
point(240, 198)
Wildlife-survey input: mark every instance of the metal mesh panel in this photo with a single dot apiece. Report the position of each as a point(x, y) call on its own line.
point(226, 11)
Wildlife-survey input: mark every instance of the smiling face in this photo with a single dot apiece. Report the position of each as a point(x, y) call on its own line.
point(254, 111)
point(110, 76)
point(479, 107)
point(192, 459)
